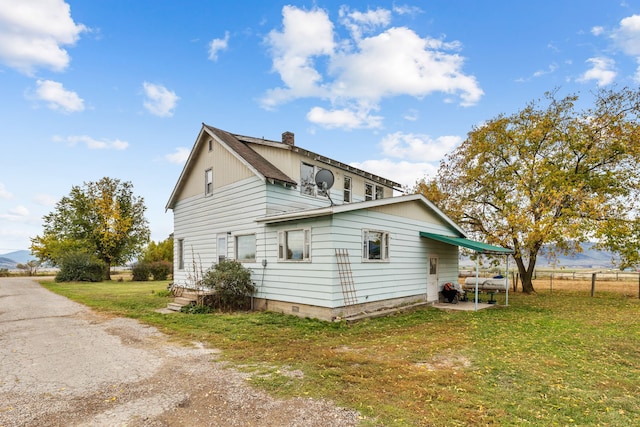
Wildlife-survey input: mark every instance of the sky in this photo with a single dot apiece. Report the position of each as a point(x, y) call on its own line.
point(120, 88)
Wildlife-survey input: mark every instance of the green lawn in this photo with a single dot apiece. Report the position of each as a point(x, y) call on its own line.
point(561, 359)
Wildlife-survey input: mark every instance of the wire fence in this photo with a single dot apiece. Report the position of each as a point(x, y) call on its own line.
point(623, 282)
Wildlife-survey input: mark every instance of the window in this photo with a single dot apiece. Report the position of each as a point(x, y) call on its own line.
point(375, 245)
point(246, 248)
point(210, 145)
point(294, 245)
point(180, 254)
point(208, 182)
point(379, 192)
point(347, 189)
point(307, 182)
point(221, 247)
point(368, 191)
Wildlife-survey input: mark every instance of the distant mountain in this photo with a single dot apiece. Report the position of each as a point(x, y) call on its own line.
point(11, 259)
point(588, 258)
point(7, 263)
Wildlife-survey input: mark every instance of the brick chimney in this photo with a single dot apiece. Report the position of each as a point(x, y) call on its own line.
point(288, 138)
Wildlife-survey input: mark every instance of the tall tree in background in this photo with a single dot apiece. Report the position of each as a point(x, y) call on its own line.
point(103, 219)
point(549, 178)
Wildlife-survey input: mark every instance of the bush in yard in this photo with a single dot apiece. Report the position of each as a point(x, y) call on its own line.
point(4, 272)
point(140, 272)
point(80, 267)
point(232, 284)
point(160, 270)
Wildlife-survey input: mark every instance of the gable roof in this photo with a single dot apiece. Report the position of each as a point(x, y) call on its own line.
point(239, 145)
point(258, 164)
point(347, 207)
point(255, 160)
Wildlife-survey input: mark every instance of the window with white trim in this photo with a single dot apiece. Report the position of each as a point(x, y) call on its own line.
point(180, 254)
point(208, 182)
point(368, 191)
point(347, 189)
point(307, 179)
point(379, 192)
point(294, 245)
point(246, 248)
point(221, 247)
point(375, 245)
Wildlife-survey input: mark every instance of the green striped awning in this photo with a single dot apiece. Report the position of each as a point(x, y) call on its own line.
point(466, 243)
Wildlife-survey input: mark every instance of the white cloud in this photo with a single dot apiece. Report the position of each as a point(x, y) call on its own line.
point(305, 36)
point(217, 45)
point(33, 33)
point(179, 157)
point(343, 118)
point(159, 101)
point(418, 147)
point(362, 70)
point(4, 193)
point(602, 71)
point(627, 35)
point(58, 97)
point(44, 199)
point(360, 23)
point(92, 143)
point(411, 115)
point(596, 31)
point(403, 172)
point(16, 214)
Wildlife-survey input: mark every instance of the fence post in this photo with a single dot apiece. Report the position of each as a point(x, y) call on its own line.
point(551, 283)
point(593, 283)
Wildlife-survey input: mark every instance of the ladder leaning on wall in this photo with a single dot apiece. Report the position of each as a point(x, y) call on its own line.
point(346, 280)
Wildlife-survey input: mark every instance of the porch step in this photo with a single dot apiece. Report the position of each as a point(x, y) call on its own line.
point(174, 306)
point(185, 300)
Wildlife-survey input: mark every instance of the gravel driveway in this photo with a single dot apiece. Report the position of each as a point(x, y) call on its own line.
point(62, 364)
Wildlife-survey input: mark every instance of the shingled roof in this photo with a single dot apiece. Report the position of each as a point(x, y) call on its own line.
point(259, 163)
point(241, 146)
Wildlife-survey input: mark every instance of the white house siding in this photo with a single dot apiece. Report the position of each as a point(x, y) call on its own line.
point(405, 274)
point(298, 281)
point(199, 219)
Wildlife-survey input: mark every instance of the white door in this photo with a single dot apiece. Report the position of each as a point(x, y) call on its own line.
point(432, 278)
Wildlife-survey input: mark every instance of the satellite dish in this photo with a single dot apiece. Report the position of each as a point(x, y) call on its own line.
point(324, 180)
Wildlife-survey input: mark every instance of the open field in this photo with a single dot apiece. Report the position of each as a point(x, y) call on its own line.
point(560, 358)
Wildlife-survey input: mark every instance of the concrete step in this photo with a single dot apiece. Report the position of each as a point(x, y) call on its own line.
point(174, 307)
point(184, 300)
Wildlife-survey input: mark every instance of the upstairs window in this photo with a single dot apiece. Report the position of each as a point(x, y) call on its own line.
point(294, 245)
point(347, 189)
point(379, 192)
point(368, 191)
point(307, 182)
point(373, 192)
point(208, 182)
point(375, 245)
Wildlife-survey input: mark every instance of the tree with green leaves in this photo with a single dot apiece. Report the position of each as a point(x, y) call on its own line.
point(102, 219)
point(161, 251)
point(548, 178)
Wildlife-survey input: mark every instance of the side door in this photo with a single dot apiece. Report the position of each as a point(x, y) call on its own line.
point(432, 278)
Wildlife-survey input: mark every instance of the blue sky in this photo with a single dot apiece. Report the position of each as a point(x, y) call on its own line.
point(120, 88)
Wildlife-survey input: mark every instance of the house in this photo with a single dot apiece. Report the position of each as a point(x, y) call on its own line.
point(315, 249)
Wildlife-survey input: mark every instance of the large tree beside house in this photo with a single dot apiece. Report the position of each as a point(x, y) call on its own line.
point(548, 178)
point(102, 219)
